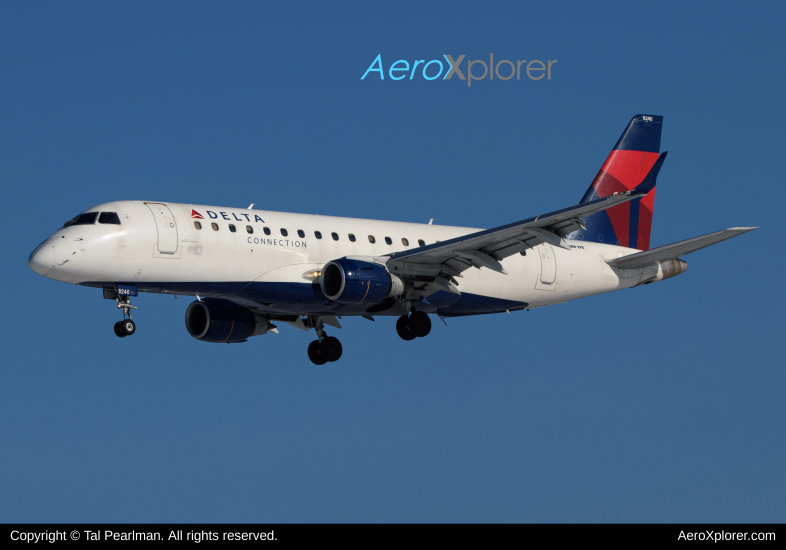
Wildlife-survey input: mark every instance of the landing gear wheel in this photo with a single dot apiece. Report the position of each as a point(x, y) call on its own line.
point(315, 354)
point(127, 327)
point(118, 330)
point(331, 349)
point(419, 324)
point(402, 327)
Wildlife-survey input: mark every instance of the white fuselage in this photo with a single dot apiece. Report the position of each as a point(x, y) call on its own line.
point(158, 247)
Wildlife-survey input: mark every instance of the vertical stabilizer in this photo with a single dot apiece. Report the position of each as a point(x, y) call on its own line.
point(626, 167)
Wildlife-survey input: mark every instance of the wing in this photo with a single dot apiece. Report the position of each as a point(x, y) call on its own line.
point(641, 259)
point(438, 263)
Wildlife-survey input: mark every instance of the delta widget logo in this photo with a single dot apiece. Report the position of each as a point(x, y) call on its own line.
point(225, 215)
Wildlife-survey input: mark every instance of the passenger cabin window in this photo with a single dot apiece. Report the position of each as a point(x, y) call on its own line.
point(371, 239)
point(88, 218)
point(109, 217)
point(284, 232)
point(335, 236)
point(249, 229)
point(214, 226)
point(266, 230)
point(198, 225)
point(404, 241)
point(318, 234)
point(351, 238)
point(388, 240)
point(232, 228)
point(421, 242)
point(301, 233)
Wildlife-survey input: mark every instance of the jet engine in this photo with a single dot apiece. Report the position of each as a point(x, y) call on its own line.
point(223, 321)
point(351, 281)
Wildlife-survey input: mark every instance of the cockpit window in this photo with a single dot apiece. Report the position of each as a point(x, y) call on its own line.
point(108, 217)
point(88, 218)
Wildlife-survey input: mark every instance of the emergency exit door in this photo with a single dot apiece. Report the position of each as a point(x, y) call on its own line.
point(548, 268)
point(548, 264)
point(166, 226)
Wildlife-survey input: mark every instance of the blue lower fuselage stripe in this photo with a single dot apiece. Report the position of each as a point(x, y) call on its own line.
point(308, 299)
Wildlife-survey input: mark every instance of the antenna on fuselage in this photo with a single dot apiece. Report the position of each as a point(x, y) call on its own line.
point(431, 220)
point(250, 206)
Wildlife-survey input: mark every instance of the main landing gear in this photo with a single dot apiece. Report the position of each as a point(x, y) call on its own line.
point(126, 327)
point(415, 325)
point(326, 349)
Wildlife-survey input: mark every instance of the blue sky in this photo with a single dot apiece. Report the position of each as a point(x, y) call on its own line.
point(662, 403)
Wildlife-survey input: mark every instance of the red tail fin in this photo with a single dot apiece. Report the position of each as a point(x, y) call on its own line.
point(631, 159)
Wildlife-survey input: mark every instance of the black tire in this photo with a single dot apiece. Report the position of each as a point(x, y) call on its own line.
point(419, 324)
point(402, 327)
point(128, 327)
point(331, 349)
point(315, 354)
point(118, 330)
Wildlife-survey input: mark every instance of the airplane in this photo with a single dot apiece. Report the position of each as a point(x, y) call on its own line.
point(249, 269)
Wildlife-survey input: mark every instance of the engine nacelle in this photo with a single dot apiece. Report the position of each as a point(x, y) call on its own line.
point(355, 281)
point(223, 321)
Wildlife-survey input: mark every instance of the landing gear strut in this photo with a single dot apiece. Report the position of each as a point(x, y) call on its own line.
point(416, 325)
point(126, 327)
point(326, 349)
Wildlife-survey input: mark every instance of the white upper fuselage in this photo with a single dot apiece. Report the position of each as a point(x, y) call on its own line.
point(158, 247)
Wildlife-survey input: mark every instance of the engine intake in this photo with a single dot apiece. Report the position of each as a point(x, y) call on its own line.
point(355, 281)
point(223, 321)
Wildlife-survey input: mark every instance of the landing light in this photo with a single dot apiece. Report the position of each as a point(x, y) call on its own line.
point(311, 275)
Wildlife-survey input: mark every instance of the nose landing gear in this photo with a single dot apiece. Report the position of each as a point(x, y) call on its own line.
point(126, 327)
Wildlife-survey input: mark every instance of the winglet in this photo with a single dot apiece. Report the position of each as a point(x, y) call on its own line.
point(649, 182)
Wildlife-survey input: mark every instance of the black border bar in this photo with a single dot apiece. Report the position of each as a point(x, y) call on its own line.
point(180, 533)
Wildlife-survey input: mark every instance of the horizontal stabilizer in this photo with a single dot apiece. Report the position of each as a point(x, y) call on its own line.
point(642, 259)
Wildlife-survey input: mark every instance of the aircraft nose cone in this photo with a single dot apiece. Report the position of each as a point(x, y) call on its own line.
point(42, 259)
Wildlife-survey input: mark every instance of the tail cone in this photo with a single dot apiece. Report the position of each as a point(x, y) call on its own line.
point(672, 268)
